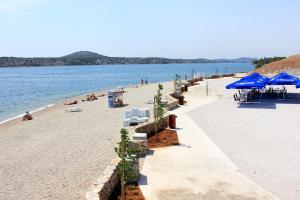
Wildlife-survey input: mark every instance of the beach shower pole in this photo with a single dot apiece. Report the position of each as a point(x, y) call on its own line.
point(206, 87)
point(155, 118)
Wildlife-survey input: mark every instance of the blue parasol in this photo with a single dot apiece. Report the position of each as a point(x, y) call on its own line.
point(258, 77)
point(247, 83)
point(298, 84)
point(283, 79)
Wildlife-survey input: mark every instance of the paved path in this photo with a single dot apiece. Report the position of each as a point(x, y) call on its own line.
point(196, 169)
point(262, 140)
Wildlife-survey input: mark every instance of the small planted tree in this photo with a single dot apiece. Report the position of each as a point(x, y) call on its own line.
point(193, 75)
point(128, 166)
point(159, 110)
point(177, 86)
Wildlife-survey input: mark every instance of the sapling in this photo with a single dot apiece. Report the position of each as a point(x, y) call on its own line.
point(128, 156)
point(177, 85)
point(159, 109)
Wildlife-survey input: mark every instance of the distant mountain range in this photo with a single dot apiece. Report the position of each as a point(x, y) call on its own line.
point(91, 58)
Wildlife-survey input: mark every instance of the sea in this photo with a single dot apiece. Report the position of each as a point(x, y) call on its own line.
point(34, 88)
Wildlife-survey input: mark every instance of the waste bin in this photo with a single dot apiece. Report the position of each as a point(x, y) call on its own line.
point(172, 121)
point(110, 98)
point(182, 89)
point(181, 100)
point(185, 88)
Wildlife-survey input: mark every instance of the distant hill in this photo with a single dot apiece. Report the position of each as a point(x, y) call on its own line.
point(84, 54)
point(289, 63)
point(91, 58)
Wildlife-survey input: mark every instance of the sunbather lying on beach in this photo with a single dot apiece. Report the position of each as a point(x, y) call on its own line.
point(94, 97)
point(27, 116)
point(72, 103)
point(91, 97)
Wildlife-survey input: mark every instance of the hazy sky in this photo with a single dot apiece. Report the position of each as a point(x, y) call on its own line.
point(165, 28)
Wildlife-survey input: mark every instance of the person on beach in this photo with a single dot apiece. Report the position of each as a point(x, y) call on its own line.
point(142, 81)
point(72, 103)
point(27, 116)
point(94, 97)
point(146, 81)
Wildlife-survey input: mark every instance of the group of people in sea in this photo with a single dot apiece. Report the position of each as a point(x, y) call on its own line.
point(144, 81)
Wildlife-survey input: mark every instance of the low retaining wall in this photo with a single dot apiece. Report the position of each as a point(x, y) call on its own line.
point(141, 145)
point(219, 76)
point(172, 104)
point(105, 185)
point(149, 128)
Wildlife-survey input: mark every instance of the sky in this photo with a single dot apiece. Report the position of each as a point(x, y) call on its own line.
point(144, 28)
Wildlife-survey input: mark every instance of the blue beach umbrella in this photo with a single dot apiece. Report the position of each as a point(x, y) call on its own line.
point(298, 84)
point(247, 83)
point(257, 76)
point(283, 79)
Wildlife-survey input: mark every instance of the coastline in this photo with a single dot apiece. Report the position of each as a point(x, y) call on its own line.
point(69, 150)
point(33, 111)
point(66, 99)
point(48, 86)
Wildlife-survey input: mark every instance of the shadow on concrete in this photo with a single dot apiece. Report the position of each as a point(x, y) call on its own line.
point(150, 152)
point(122, 106)
point(216, 192)
point(174, 108)
point(258, 105)
point(143, 180)
point(184, 145)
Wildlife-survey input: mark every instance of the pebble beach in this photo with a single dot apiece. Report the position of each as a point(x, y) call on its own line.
point(59, 154)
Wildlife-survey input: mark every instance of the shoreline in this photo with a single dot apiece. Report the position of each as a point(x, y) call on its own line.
point(71, 98)
point(62, 153)
point(121, 63)
point(33, 111)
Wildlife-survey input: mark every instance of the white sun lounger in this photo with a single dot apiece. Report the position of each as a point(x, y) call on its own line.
point(73, 109)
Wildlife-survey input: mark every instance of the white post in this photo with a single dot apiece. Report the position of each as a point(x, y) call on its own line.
point(206, 87)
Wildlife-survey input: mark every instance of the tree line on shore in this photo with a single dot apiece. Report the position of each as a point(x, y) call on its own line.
point(263, 61)
point(91, 58)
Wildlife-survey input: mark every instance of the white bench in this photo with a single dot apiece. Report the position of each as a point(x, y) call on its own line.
point(136, 115)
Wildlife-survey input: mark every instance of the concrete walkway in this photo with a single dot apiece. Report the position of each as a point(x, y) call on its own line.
point(196, 169)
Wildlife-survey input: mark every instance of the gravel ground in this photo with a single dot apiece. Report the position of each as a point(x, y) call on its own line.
point(59, 155)
point(262, 140)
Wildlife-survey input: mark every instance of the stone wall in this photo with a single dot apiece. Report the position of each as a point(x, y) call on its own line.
point(172, 104)
point(141, 145)
point(105, 185)
point(149, 128)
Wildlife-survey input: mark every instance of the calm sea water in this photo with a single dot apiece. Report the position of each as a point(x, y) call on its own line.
point(29, 88)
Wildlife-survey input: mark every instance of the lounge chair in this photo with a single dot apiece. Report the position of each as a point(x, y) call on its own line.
point(73, 109)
